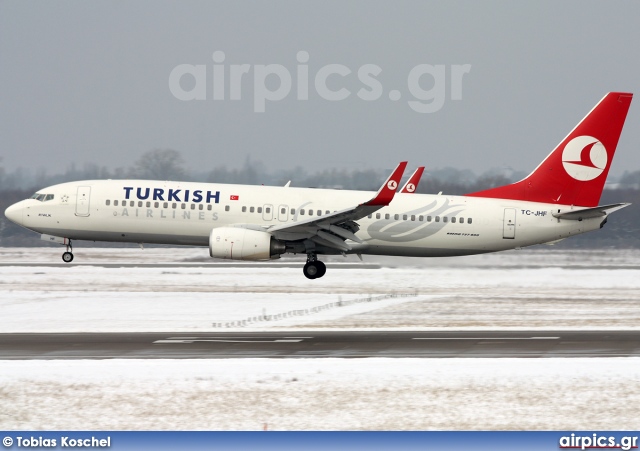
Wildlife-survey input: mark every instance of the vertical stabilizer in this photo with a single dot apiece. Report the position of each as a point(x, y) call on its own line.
point(575, 172)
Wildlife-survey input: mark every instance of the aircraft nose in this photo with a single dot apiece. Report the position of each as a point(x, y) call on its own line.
point(14, 213)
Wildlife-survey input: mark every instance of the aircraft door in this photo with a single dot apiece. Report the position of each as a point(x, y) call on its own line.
point(283, 213)
point(82, 200)
point(267, 212)
point(509, 228)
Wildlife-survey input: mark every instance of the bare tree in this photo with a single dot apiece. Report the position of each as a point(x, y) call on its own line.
point(160, 164)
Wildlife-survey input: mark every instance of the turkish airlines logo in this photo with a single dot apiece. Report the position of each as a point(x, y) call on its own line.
point(392, 184)
point(411, 188)
point(584, 158)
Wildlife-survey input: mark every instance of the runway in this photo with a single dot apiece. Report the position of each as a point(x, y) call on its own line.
point(310, 344)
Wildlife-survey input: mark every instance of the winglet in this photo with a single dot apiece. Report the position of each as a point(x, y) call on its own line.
point(388, 189)
point(412, 183)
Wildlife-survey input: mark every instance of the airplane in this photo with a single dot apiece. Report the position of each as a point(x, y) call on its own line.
point(412, 183)
point(559, 199)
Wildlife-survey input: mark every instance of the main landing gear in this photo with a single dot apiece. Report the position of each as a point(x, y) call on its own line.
point(314, 269)
point(67, 257)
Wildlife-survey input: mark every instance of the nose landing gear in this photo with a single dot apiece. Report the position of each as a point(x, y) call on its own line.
point(314, 268)
point(67, 257)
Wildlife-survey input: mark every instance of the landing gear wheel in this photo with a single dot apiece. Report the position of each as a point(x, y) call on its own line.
point(310, 270)
point(67, 257)
point(314, 269)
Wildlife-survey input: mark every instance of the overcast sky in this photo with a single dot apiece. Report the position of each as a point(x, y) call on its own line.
point(89, 82)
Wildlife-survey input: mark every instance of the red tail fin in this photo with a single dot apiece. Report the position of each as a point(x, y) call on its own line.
point(575, 172)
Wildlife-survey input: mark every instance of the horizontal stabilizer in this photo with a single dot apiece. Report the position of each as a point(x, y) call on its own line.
point(588, 213)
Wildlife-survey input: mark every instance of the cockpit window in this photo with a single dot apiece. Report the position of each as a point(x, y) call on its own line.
point(42, 197)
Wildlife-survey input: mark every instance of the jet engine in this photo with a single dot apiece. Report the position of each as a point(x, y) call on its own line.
point(235, 243)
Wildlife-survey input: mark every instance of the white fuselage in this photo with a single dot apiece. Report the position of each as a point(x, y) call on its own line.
point(183, 213)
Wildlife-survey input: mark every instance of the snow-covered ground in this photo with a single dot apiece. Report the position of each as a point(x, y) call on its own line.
point(541, 289)
point(319, 394)
point(516, 290)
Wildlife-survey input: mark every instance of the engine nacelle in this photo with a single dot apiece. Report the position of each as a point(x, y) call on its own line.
point(235, 243)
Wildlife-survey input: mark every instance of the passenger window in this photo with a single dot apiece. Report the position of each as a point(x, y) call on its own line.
point(124, 203)
point(259, 209)
point(319, 212)
point(148, 205)
point(209, 207)
point(310, 212)
point(156, 204)
point(293, 212)
point(244, 209)
point(428, 218)
point(461, 220)
point(437, 218)
point(183, 206)
point(396, 217)
point(404, 217)
point(369, 216)
point(252, 209)
point(302, 211)
point(227, 208)
point(420, 218)
point(377, 215)
point(115, 203)
point(165, 205)
point(413, 217)
point(387, 216)
point(327, 212)
point(468, 220)
point(139, 203)
point(445, 219)
point(453, 219)
point(174, 205)
point(193, 206)
point(283, 211)
point(200, 207)
point(108, 202)
point(267, 210)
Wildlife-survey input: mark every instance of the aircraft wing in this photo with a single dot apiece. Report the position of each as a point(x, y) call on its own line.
point(587, 213)
point(412, 183)
point(334, 228)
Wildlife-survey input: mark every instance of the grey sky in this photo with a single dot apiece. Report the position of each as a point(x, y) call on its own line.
point(89, 81)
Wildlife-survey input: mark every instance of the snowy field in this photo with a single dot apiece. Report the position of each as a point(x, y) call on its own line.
point(331, 394)
point(514, 290)
point(540, 289)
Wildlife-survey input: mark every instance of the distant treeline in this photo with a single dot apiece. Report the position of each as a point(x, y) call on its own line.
point(621, 231)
